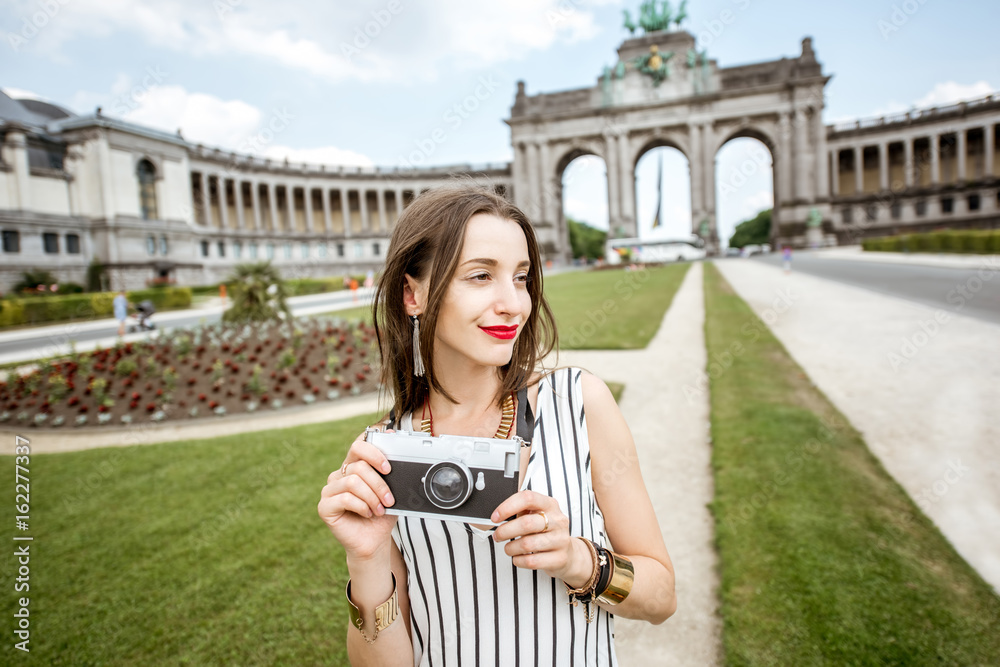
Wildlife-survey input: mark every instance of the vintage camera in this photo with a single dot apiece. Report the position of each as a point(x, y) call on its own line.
point(449, 477)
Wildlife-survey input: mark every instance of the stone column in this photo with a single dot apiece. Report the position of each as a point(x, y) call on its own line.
point(17, 144)
point(345, 207)
point(783, 178)
point(255, 204)
point(988, 139)
point(708, 165)
point(545, 186)
point(223, 203)
point(883, 166)
point(697, 177)
point(908, 166)
point(328, 220)
point(307, 201)
point(614, 180)
point(835, 172)
point(366, 224)
point(626, 171)
point(206, 200)
point(383, 220)
point(801, 156)
point(819, 149)
point(859, 170)
point(238, 193)
point(960, 156)
point(272, 199)
point(935, 159)
point(535, 198)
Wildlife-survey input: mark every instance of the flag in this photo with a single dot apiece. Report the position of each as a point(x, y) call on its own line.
point(658, 220)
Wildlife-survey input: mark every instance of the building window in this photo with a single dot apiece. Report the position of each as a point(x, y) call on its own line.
point(871, 212)
point(73, 244)
point(973, 202)
point(288, 251)
point(921, 207)
point(896, 211)
point(359, 250)
point(947, 204)
point(44, 154)
point(304, 250)
point(375, 249)
point(340, 246)
point(50, 242)
point(270, 250)
point(150, 245)
point(322, 250)
point(237, 249)
point(846, 216)
point(147, 189)
point(222, 248)
point(11, 241)
point(204, 248)
point(253, 250)
point(163, 245)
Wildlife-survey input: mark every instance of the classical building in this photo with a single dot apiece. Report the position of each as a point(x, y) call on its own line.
point(151, 205)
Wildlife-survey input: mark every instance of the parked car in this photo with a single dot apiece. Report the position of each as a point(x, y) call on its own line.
point(751, 250)
point(732, 252)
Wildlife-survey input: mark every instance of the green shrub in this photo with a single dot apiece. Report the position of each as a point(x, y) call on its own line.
point(56, 308)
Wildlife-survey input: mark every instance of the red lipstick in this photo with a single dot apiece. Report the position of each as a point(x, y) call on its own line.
point(503, 333)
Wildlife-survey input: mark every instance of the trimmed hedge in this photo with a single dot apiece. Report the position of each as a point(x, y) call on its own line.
point(295, 287)
point(38, 310)
point(980, 242)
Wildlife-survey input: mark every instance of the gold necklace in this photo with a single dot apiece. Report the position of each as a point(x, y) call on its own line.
point(506, 418)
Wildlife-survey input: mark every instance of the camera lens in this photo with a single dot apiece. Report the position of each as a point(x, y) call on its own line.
point(448, 484)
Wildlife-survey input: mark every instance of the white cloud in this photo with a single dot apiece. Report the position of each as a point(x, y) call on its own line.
point(755, 203)
point(334, 41)
point(950, 92)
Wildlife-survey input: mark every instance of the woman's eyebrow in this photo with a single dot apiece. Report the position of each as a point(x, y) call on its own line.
point(489, 261)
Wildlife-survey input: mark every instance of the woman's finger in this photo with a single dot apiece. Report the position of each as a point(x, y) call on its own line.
point(374, 481)
point(532, 522)
point(335, 506)
point(356, 484)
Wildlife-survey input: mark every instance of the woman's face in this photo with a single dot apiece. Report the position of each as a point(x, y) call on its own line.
point(487, 300)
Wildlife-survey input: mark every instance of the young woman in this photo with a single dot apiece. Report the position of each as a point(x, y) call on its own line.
point(462, 322)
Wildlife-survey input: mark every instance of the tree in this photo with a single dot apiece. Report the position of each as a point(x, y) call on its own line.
point(756, 230)
point(258, 294)
point(31, 279)
point(586, 241)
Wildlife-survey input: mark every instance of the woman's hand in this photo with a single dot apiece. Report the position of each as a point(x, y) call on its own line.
point(353, 502)
point(540, 544)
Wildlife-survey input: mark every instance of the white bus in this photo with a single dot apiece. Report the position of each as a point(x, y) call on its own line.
point(654, 250)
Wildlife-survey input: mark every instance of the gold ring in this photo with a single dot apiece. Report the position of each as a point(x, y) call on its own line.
point(343, 470)
point(546, 520)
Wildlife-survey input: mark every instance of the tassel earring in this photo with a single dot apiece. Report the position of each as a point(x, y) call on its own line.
point(418, 362)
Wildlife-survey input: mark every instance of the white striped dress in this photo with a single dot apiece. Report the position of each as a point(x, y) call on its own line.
point(469, 604)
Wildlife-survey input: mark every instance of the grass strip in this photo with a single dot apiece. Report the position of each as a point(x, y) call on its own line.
point(824, 558)
point(194, 552)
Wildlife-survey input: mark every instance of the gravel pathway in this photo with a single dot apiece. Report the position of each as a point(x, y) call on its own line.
point(921, 385)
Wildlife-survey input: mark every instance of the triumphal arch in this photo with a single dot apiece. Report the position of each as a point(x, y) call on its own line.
point(663, 91)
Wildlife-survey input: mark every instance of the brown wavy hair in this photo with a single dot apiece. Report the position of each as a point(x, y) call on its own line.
point(427, 244)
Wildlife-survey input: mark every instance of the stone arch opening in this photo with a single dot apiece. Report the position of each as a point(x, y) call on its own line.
point(745, 182)
point(582, 179)
point(669, 216)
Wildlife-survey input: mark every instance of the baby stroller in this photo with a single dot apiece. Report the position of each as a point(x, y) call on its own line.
point(143, 312)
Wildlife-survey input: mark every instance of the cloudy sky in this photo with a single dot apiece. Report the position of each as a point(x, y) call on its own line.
point(369, 82)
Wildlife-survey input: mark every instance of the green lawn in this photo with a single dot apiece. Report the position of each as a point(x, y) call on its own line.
point(824, 558)
point(600, 310)
point(198, 552)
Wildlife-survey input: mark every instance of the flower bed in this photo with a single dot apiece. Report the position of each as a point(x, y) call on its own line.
point(212, 370)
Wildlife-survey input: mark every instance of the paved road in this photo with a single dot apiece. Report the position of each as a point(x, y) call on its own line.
point(970, 292)
point(45, 340)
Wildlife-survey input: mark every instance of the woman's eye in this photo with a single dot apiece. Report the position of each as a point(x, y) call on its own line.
point(481, 276)
point(521, 277)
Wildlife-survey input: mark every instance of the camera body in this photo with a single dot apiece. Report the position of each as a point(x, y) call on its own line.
point(449, 477)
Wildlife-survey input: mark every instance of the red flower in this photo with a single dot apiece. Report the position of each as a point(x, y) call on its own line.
point(182, 403)
point(245, 397)
point(265, 398)
point(290, 393)
point(151, 407)
point(159, 392)
point(333, 381)
point(202, 397)
point(135, 395)
point(83, 408)
point(133, 404)
point(213, 404)
point(191, 381)
point(121, 394)
point(73, 400)
point(347, 386)
point(102, 408)
point(360, 376)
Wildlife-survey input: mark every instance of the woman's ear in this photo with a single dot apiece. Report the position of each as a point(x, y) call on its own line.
point(414, 295)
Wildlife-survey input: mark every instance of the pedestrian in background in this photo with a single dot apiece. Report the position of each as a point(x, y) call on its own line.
point(786, 255)
point(120, 305)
